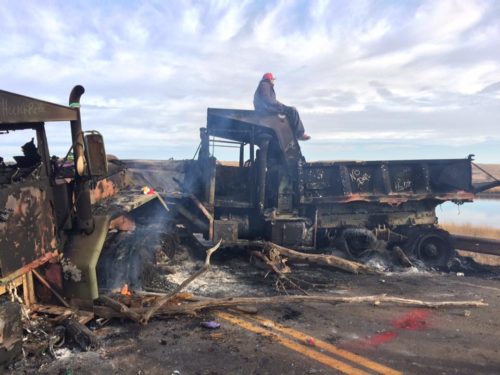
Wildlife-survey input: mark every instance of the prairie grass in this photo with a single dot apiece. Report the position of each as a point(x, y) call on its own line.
point(480, 176)
point(479, 231)
point(495, 190)
point(472, 230)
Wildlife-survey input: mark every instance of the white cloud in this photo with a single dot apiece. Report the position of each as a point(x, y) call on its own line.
point(376, 135)
point(231, 22)
point(191, 21)
point(447, 19)
point(158, 66)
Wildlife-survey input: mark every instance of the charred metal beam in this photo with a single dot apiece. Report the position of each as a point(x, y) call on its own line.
point(242, 155)
point(207, 214)
point(264, 148)
point(483, 186)
point(476, 244)
point(192, 217)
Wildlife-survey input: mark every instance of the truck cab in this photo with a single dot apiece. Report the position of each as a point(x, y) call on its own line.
point(254, 195)
point(44, 201)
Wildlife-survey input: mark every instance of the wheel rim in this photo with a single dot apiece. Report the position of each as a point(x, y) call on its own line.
point(434, 249)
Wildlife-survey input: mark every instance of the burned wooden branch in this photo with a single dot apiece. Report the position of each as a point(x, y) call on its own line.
point(162, 301)
point(120, 307)
point(192, 308)
point(401, 257)
point(272, 265)
point(321, 259)
point(81, 335)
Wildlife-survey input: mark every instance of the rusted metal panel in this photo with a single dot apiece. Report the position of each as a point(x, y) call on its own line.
point(109, 187)
point(288, 232)
point(163, 175)
point(28, 225)
point(374, 214)
point(231, 183)
point(225, 230)
point(95, 154)
point(392, 182)
point(16, 108)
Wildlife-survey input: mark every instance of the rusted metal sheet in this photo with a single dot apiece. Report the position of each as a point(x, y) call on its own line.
point(105, 188)
point(165, 176)
point(28, 226)
point(374, 214)
point(391, 182)
point(16, 108)
point(108, 187)
point(207, 214)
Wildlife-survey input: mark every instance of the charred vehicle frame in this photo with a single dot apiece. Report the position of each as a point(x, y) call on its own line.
point(272, 193)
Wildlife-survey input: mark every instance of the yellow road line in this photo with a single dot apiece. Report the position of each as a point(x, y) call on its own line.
point(324, 359)
point(328, 347)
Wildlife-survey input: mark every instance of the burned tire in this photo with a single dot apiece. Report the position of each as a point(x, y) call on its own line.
point(355, 241)
point(431, 246)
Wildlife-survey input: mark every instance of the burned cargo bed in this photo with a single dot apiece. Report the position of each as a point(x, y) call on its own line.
point(379, 193)
point(391, 182)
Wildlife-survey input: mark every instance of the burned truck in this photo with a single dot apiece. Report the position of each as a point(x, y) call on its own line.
point(270, 192)
point(52, 225)
point(45, 202)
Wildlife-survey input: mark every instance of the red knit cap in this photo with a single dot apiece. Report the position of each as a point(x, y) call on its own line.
point(268, 76)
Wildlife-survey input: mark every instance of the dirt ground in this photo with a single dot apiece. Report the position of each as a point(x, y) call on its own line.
point(303, 338)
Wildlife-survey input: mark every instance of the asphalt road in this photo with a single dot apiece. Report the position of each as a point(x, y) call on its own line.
point(316, 338)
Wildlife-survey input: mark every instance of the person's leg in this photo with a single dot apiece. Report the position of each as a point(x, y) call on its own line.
point(295, 122)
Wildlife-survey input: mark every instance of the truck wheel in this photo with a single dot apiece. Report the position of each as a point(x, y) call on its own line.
point(433, 248)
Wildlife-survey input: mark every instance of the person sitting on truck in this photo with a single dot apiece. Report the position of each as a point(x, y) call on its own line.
point(264, 100)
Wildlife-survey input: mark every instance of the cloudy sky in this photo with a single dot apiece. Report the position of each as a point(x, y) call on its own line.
point(371, 79)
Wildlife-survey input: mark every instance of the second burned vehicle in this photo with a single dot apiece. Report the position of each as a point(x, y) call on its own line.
point(272, 193)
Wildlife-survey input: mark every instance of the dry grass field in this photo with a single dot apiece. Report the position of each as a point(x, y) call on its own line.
point(471, 230)
point(480, 176)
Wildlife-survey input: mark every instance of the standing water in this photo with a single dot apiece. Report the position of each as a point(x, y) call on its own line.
point(481, 212)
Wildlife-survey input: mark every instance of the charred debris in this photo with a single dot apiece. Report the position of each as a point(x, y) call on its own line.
point(86, 237)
